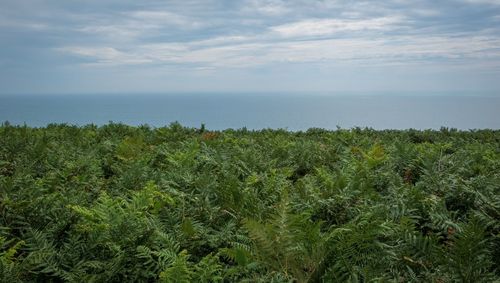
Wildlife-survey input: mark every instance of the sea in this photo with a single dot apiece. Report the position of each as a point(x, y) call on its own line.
point(290, 111)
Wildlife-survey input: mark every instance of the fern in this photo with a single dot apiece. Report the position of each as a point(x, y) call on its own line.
point(288, 242)
point(9, 266)
point(469, 256)
point(208, 270)
point(179, 271)
point(117, 203)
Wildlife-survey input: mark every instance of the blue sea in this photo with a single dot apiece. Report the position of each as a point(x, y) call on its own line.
point(258, 111)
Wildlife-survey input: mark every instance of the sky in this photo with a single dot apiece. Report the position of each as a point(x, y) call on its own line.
point(125, 46)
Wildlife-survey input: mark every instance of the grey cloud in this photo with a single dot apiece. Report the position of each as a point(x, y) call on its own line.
point(248, 35)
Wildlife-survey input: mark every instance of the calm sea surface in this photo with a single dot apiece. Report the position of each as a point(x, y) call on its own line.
point(292, 112)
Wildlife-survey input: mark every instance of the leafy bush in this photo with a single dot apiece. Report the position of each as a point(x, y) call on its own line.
point(117, 203)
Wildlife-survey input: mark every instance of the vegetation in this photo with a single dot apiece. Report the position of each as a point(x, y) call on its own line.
point(137, 204)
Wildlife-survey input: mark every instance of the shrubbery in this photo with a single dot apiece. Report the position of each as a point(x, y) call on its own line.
point(137, 204)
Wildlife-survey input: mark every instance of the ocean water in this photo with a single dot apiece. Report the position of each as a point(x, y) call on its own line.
point(292, 112)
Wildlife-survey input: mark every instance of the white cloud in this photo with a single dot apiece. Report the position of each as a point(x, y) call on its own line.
point(164, 18)
point(324, 27)
point(352, 37)
point(106, 55)
point(223, 40)
point(113, 31)
point(381, 51)
point(488, 2)
point(267, 7)
point(27, 25)
point(425, 12)
point(131, 25)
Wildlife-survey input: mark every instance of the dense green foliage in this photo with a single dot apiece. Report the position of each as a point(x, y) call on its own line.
point(135, 204)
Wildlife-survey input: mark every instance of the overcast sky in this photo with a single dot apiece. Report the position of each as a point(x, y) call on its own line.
point(118, 46)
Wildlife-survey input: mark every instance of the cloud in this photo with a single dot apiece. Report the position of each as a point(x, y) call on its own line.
point(267, 33)
point(228, 53)
point(488, 2)
point(165, 18)
point(105, 55)
point(324, 27)
point(267, 7)
point(249, 36)
point(142, 23)
point(23, 24)
point(425, 12)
